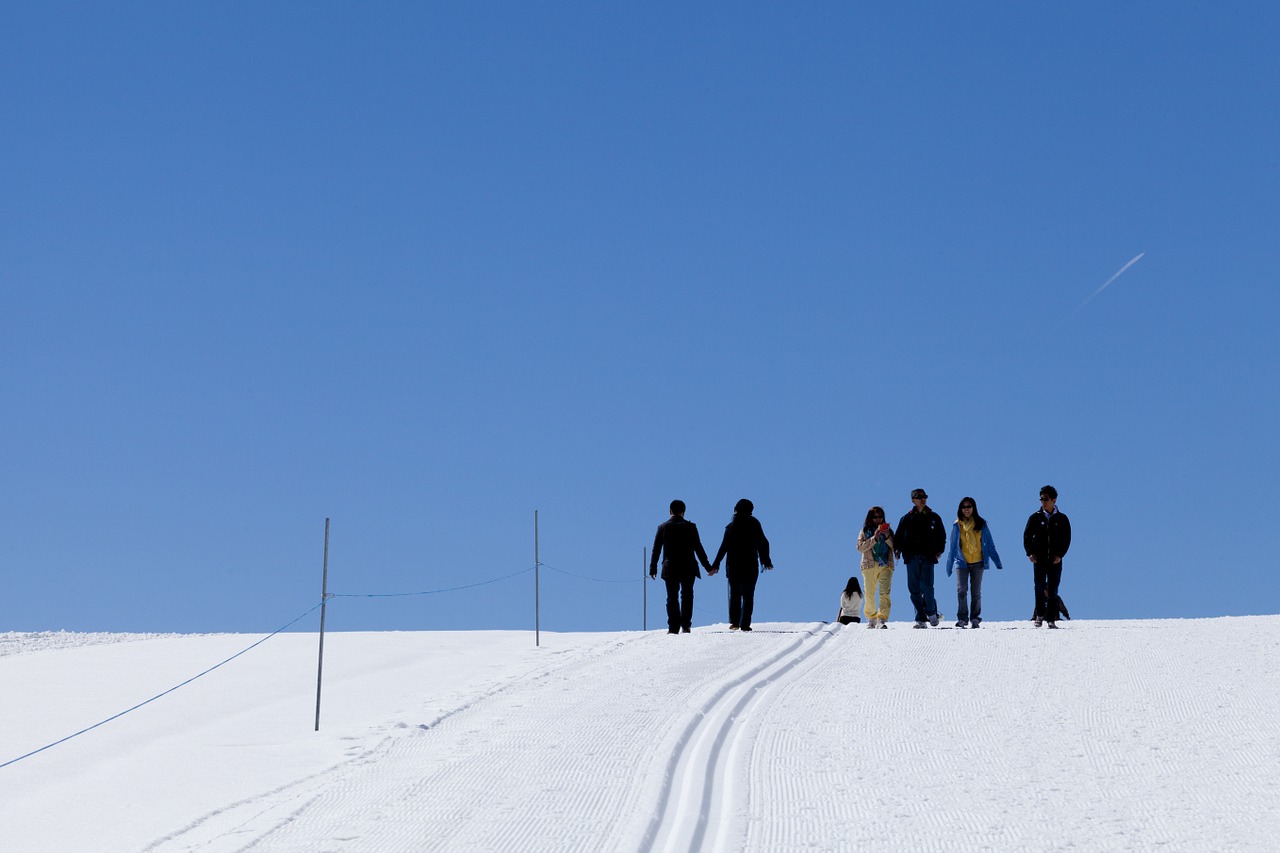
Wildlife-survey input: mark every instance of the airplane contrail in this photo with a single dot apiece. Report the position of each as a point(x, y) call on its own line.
point(1107, 283)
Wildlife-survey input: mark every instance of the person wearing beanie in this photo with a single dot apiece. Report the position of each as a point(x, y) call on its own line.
point(746, 548)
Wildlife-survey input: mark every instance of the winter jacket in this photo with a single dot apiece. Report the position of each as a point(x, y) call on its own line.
point(851, 605)
point(1046, 537)
point(955, 557)
point(678, 542)
point(745, 545)
point(864, 545)
point(920, 534)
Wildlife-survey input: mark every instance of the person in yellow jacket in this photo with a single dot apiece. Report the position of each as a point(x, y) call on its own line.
point(875, 543)
point(972, 550)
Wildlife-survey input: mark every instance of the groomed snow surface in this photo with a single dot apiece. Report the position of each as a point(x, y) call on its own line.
point(1139, 735)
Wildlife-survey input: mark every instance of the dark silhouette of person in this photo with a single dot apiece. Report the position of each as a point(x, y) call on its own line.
point(681, 549)
point(746, 547)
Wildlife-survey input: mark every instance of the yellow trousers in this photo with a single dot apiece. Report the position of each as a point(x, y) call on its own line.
point(873, 579)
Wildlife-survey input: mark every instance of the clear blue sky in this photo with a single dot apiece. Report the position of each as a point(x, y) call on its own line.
point(426, 268)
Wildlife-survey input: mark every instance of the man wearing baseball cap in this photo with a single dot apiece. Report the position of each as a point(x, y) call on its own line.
point(920, 540)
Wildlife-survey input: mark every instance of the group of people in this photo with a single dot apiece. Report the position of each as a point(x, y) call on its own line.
point(744, 546)
point(919, 542)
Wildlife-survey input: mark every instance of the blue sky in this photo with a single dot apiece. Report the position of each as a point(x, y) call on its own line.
point(427, 268)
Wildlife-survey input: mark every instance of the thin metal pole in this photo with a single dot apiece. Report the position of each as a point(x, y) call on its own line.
point(644, 586)
point(537, 619)
point(324, 600)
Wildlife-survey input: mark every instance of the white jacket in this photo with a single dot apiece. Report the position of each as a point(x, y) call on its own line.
point(851, 605)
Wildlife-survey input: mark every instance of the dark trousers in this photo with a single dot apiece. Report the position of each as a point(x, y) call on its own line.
point(920, 585)
point(742, 597)
point(679, 604)
point(1047, 577)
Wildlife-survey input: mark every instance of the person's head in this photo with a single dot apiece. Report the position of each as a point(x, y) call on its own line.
point(875, 518)
point(968, 511)
point(1048, 498)
point(677, 507)
point(853, 586)
point(743, 507)
point(919, 499)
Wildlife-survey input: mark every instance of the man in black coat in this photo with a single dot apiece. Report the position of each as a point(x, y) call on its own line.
point(746, 547)
point(1046, 539)
point(920, 540)
point(677, 540)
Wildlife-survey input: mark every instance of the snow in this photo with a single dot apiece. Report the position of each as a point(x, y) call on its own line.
point(1116, 735)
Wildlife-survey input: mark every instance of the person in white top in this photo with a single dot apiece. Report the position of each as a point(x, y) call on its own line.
point(851, 602)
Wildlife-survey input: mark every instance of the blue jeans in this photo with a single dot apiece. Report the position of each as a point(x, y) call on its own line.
point(969, 582)
point(920, 585)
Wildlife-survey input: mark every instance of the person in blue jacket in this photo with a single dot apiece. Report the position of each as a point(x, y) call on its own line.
point(972, 550)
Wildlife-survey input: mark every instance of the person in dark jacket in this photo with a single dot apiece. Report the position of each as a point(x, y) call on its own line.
point(1046, 539)
point(920, 540)
point(746, 547)
point(681, 549)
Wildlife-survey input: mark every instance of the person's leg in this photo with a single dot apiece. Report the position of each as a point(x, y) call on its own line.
point(1053, 577)
point(930, 603)
point(1039, 574)
point(915, 583)
point(686, 604)
point(962, 594)
point(975, 592)
point(673, 605)
point(735, 601)
point(747, 586)
point(870, 577)
point(886, 580)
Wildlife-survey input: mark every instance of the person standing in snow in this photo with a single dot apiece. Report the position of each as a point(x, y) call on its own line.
point(875, 543)
point(972, 550)
point(747, 548)
point(850, 602)
point(678, 541)
point(1046, 539)
point(921, 540)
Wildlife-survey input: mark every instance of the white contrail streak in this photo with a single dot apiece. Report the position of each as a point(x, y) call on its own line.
point(1107, 283)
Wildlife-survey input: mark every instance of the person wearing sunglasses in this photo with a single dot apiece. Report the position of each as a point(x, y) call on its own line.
point(875, 543)
point(972, 550)
point(1046, 539)
point(921, 540)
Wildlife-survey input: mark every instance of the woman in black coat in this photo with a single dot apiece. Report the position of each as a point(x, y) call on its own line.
point(747, 548)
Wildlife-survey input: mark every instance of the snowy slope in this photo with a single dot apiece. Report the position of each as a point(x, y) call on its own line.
point(1105, 735)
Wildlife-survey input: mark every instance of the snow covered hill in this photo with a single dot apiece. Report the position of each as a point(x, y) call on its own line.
point(1102, 736)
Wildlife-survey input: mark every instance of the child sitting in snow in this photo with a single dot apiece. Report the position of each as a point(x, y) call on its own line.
point(851, 602)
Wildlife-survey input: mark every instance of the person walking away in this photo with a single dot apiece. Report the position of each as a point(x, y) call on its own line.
point(971, 550)
point(875, 543)
point(921, 540)
point(1046, 539)
point(746, 547)
point(850, 602)
point(678, 542)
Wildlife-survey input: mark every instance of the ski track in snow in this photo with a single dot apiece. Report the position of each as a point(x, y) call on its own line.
point(819, 737)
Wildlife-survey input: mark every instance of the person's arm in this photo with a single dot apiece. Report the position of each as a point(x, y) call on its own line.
point(762, 546)
point(653, 557)
point(989, 546)
point(724, 549)
point(697, 548)
point(1029, 538)
point(1066, 530)
point(954, 548)
point(897, 536)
